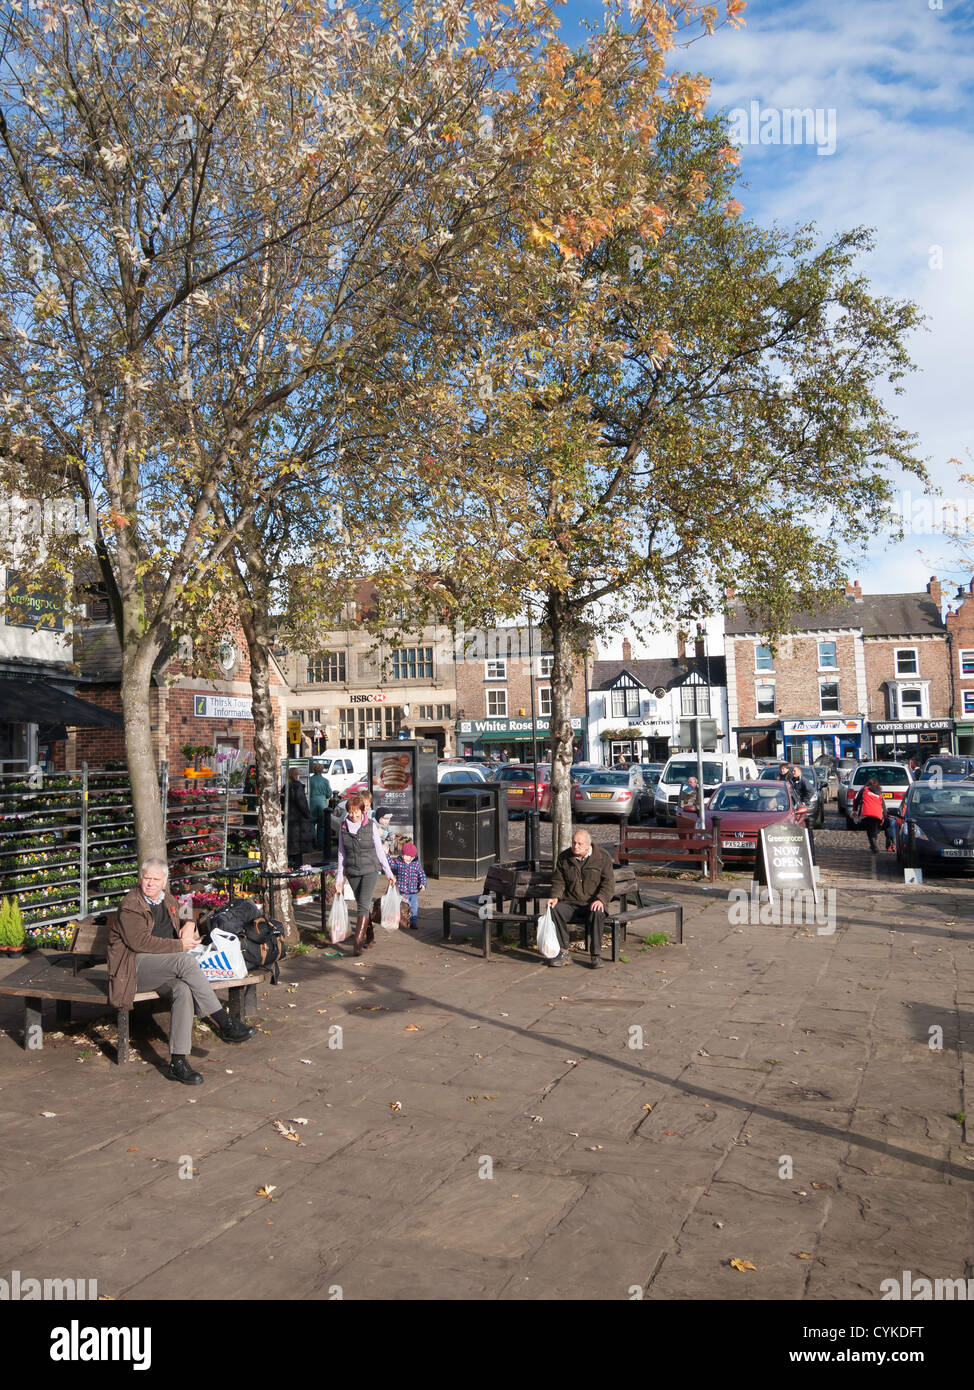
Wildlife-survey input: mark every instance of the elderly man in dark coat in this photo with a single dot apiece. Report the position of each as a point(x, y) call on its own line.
point(582, 886)
point(147, 949)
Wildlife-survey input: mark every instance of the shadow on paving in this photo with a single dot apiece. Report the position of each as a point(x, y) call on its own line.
point(798, 1122)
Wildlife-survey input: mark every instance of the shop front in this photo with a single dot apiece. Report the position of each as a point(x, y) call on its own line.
point(643, 743)
point(512, 738)
point(806, 740)
point(757, 740)
point(896, 740)
point(964, 737)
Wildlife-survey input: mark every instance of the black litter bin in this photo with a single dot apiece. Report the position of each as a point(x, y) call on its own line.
point(468, 831)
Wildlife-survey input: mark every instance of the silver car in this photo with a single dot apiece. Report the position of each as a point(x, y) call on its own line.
point(894, 779)
point(624, 795)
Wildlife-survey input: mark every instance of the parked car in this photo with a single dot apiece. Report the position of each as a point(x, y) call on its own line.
point(523, 793)
point(717, 768)
point(612, 792)
point(743, 808)
point(942, 820)
point(816, 804)
point(652, 772)
point(827, 780)
point(894, 779)
point(344, 767)
point(460, 773)
point(942, 769)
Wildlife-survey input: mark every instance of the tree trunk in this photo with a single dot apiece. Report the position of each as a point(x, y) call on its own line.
point(150, 833)
point(562, 675)
point(270, 818)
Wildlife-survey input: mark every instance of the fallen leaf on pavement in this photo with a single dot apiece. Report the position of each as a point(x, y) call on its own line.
point(131, 1151)
point(266, 1192)
point(395, 1105)
point(413, 1028)
point(647, 1107)
point(742, 1265)
point(670, 1132)
point(49, 1114)
point(286, 1133)
point(821, 1186)
point(802, 1255)
point(297, 1120)
point(305, 1061)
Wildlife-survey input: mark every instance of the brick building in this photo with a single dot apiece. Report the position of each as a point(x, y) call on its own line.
point(356, 686)
point(184, 706)
point(960, 643)
point(867, 676)
point(495, 673)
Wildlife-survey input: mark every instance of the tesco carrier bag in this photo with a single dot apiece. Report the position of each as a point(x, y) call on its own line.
point(223, 958)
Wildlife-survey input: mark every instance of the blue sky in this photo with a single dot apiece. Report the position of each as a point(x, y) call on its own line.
point(899, 77)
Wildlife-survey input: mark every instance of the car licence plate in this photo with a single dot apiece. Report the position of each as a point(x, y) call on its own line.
point(959, 853)
point(740, 844)
point(606, 794)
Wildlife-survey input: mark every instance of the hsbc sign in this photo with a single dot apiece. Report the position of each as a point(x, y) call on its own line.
point(375, 699)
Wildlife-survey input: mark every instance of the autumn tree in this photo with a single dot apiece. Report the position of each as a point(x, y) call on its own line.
point(204, 208)
point(689, 404)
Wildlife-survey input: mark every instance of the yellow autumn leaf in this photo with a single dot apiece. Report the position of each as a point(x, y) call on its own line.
point(742, 1265)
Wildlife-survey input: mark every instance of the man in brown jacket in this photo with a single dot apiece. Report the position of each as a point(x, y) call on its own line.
point(582, 886)
point(147, 949)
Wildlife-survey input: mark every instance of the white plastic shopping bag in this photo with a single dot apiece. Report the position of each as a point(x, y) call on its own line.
point(391, 902)
point(347, 893)
point(223, 958)
point(548, 943)
point(337, 920)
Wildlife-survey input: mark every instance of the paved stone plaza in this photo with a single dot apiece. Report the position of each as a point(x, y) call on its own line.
point(786, 1109)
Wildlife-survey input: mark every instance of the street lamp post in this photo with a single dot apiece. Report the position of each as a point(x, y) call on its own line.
point(532, 818)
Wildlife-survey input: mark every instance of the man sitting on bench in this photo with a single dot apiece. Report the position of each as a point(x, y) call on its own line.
point(146, 951)
point(582, 887)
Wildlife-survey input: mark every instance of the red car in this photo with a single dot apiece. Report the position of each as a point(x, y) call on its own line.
point(523, 793)
point(743, 808)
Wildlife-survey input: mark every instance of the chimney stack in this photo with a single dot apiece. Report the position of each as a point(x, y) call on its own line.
point(933, 589)
point(681, 646)
point(626, 649)
point(852, 590)
point(700, 648)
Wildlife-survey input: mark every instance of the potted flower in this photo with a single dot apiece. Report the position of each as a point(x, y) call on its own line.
point(11, 928)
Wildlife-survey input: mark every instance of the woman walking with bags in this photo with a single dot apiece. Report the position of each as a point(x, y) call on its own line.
point(361, 858)
point(870, 810)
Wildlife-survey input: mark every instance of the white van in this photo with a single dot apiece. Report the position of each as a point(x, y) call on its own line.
point(717, 768)
point(343, 767)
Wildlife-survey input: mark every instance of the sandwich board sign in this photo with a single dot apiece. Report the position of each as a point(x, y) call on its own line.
point(784, 861)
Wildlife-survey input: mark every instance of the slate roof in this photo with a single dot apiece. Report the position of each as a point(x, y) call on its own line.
point(666, 672)
point(876, 615)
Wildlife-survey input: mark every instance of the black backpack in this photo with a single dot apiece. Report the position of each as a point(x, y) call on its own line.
point(234, 917)
point(262, 943)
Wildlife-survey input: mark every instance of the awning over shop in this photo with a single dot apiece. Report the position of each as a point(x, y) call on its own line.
point(37, 702)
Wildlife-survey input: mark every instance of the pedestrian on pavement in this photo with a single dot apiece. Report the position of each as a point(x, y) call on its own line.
point(792, 774)
point(299, 837)
point(319, 795)
point(410, 879)
point(869, 811)
point(147, 949)
point(582, 886)
point(360, 859)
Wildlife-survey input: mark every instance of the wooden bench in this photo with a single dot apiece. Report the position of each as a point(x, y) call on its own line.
point(67, 981)
point(521, 887)
point(661, 844)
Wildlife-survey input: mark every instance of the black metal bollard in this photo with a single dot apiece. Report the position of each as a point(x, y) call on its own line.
point(532, 838)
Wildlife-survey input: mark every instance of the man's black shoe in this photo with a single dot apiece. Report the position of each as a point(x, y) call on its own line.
point(236, 1031)
point(563, 959)
point(180, 1070)
point(596, 962)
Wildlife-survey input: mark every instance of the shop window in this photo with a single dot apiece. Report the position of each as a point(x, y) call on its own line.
point(968, 701)
point(444, 711)
point(764, 695)
point(763, 659)
point(906, 661)
point(827, 658)
point(828, 695)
